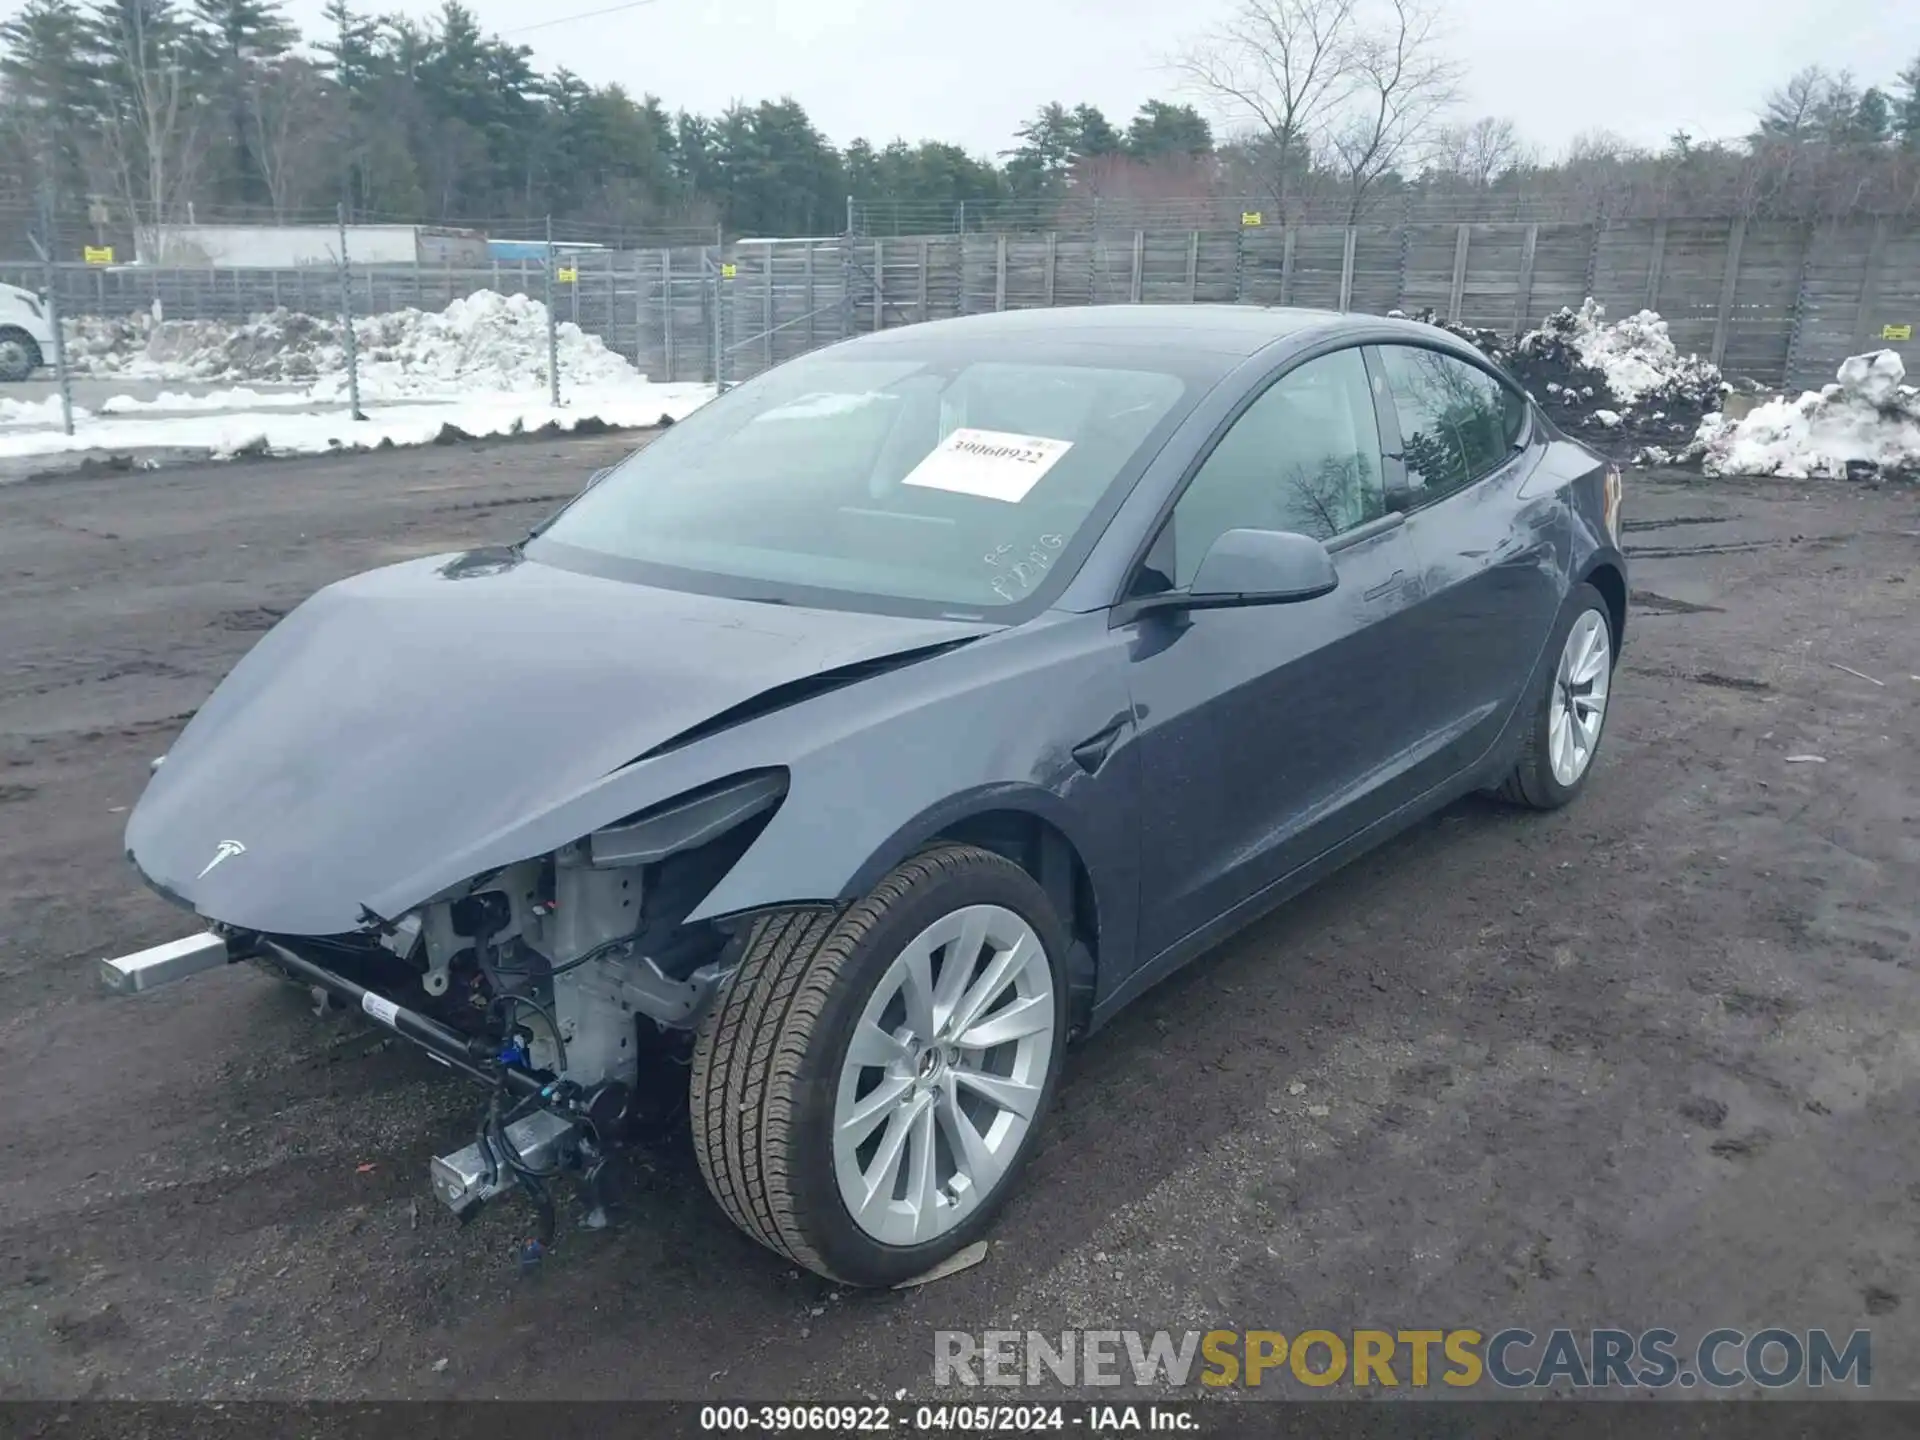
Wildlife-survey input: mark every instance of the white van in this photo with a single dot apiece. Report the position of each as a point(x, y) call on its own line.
point(26, 340)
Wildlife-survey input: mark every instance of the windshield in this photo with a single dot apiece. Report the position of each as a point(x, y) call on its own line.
point(952, 481)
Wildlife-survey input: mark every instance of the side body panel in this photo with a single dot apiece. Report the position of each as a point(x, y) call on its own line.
point(1267, 734)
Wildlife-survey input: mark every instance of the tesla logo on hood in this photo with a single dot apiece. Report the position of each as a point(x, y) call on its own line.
point(225, 850)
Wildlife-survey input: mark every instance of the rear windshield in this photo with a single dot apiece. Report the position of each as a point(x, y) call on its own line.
point(955, 482)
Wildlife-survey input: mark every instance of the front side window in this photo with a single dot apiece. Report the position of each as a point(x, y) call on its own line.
point(1305, 457)
point(932, 479)
point(1457, 423)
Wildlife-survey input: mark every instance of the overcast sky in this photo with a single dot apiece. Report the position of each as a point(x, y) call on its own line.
point(970, 71)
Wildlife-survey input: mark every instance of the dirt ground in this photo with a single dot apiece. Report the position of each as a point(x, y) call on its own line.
point(1653, 1060)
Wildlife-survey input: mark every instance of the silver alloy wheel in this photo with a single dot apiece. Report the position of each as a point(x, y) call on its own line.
point(1579, 704)
point(943, 1075)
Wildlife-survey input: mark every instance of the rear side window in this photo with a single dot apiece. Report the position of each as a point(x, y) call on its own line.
point(1457, 423)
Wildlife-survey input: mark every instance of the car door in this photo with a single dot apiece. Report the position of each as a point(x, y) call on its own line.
point(1269, 733)
point(1489, 558)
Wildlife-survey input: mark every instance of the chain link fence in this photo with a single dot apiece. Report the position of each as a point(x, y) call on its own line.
point(1780, 302)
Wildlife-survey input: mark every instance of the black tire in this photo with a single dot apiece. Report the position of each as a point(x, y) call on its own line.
point(767, 1058)
point(1532, 783)
point(19, 356)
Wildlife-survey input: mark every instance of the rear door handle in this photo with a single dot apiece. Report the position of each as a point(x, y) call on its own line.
point(1392, 582)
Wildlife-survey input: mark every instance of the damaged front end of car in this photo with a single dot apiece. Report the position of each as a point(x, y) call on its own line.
point(568, 985)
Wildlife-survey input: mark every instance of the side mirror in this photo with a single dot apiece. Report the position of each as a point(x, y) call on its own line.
point(1261, 567)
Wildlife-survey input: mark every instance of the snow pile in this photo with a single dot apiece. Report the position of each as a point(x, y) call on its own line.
point(484, 341)
point(1640, 366)
point(1605, 382)
point(1865, 426)
point(267, 431)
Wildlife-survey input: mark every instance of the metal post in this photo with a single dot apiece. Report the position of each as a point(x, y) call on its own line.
point(1729, 285)
point(1053, 262)
point(1000, 272)
point(346, 320)
point(1654, 264)
point(553, 326)
point(1136, 289)
point(666, 309)
point(1193, 267)
point(1346, 269)
point(719, 323)
point(879, 275)
point(1523, 291)
point(1796, 326)
point(1462, 239)
point(46, 246)
point(846, 286)
point(812, 304)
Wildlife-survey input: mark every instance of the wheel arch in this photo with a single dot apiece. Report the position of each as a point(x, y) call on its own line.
point(1608, 577)
point(1027, 827)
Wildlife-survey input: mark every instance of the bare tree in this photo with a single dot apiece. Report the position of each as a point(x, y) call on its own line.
point(289, 112)
point(1480, 153)
point(150, 134)
point(1401, 86)
point(1279, 67)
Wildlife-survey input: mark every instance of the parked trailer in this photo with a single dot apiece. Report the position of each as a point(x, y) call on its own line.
point(276, 247)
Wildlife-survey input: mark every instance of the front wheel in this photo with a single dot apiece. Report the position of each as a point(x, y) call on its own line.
point(1563, 732)
point(867, 1086)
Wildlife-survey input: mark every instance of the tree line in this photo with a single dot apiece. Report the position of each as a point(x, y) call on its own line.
point(166, 110)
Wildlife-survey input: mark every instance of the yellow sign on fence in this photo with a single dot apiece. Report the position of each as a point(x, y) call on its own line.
point(727, 270)
point(1252, 217)
point(566, 275)
point(1896, 332)
point(97, 254)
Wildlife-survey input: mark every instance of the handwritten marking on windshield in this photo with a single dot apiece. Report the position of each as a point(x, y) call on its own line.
point(1016, 575)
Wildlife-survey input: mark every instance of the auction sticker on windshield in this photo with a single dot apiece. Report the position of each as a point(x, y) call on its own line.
point(989, 463)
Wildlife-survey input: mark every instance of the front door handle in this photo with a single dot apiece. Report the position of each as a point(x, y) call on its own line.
point(1091, 753)
point(1392, 582)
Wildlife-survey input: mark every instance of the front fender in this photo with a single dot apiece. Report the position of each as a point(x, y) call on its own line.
point(865, 798)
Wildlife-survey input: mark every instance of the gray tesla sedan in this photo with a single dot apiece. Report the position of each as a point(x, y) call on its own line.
point(824, 768)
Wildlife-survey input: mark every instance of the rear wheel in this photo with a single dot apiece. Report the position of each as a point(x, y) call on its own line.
point(867, 1086)
point(19, 356)
point(1563, 733)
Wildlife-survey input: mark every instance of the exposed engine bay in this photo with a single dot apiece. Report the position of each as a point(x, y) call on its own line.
point(570, 985)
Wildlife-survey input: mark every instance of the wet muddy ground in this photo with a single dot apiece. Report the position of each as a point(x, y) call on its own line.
point(1653, 1060)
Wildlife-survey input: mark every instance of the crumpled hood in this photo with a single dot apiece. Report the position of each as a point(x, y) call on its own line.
point(409, 713)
